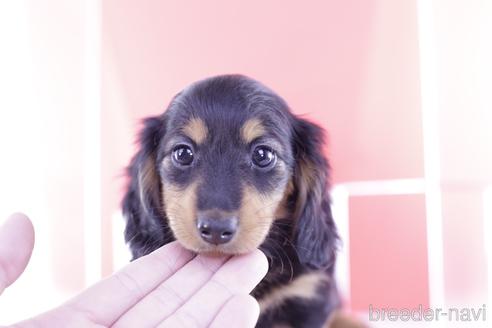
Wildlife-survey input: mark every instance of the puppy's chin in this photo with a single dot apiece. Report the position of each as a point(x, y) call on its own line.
point(218, 250)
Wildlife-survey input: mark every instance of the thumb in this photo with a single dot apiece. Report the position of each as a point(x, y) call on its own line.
point(16, 244)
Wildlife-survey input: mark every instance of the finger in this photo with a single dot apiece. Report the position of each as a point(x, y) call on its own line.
point(172, 293)
point(107, 300)
point(241, 311)
point(239, 275)
point(16, 244)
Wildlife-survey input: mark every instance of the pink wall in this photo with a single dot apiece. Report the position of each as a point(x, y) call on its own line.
point(388, 252)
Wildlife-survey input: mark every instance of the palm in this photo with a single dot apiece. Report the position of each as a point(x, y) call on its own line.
point(168, 288)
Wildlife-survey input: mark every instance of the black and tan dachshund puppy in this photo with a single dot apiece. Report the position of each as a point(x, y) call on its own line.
point(228, 168)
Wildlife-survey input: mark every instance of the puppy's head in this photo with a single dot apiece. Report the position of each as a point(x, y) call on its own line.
point(225, 160)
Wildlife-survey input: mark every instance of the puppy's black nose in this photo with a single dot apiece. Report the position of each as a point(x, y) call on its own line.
point(217, 231)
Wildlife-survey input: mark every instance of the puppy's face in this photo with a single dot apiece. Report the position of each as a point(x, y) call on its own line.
point(224, 164)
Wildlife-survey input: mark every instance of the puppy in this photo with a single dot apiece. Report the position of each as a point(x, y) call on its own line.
point(228, 168)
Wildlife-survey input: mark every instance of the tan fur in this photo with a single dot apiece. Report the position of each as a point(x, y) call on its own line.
point(256, 214)
point(180, 205)
point(304, 286)
point(282, 209)
point(196, 130)
point(252, 129)
point(340, 319)
point(308, 178)
point(308, 172)
point(148, 182)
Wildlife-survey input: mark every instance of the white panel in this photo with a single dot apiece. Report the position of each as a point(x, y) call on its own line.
point(430, 118)
point(92, 142)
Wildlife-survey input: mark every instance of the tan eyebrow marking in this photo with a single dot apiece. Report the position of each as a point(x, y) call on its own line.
point(196, 130)
point(252, 129)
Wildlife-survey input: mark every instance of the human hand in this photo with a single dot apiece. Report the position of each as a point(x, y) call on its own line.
point(16, 244)
point(167, 288)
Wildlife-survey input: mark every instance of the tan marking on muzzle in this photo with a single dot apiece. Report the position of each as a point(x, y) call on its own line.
point(180, 206)
point(256, 214)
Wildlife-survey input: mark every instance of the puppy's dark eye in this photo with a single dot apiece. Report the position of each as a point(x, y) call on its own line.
point(263, 157)
point(183, 155)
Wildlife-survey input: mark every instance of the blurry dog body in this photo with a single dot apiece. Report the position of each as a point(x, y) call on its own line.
point(227, 168)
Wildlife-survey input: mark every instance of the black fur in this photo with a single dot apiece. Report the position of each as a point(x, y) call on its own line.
point(315, 233)
point(303, 241)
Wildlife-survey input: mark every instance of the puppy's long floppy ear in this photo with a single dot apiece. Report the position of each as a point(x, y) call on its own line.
point(146, 224)
point(315, 234)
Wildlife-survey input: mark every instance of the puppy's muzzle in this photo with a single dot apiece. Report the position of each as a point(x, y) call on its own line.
point(217, 230)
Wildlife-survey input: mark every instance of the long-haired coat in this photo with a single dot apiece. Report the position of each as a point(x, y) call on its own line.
point(228, 168)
